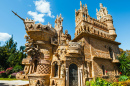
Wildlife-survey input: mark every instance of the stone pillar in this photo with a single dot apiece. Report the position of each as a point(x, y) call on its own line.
point(58, 71)
point(79, 77)
point(30, 69)
point(51, 70)
point(85, 17)
point(67, 77)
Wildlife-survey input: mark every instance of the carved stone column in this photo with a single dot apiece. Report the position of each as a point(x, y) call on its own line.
point(81, 73)
point(79, 80)
point(58, 71)
point(30, 69)
point(51, 70)
point(67, 77)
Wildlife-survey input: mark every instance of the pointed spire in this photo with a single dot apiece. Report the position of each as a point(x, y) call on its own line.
point(86, 6)
point(101, 5)
point(60, 14)
point(80, 5)
point(96, 10)
point(57, 16)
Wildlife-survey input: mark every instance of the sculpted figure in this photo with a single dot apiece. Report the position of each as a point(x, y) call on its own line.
point(62, 70)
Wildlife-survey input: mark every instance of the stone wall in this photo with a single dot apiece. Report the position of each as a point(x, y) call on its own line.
point(108, 66)
point(101, 48)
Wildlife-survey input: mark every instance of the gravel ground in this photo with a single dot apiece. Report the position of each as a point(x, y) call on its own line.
point(13, 82)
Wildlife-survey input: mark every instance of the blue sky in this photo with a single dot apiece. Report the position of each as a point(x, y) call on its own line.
point(12, 25)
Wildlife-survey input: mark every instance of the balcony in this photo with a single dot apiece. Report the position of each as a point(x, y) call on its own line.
point(74, 48)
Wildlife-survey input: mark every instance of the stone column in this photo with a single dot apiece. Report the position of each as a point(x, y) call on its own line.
point(79, 77)
point(67, 77)
point(58, 71)
point(81, 72)
point(30, 69)
point(51, 70)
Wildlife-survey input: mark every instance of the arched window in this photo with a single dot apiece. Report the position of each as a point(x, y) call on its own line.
point(85, 28)
point(88, 29)
point(35, 65)
point(103, 69)
point(98, 32)
point(81, 29)
point(94, 31)
point(77, 32)
point(110, 52)
point(56, 70)
point(38, 83)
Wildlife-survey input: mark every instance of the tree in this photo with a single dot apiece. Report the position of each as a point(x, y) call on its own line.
point(124, 63)
point(10, 56)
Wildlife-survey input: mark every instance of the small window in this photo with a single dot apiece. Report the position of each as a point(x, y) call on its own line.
point(88, 29)
point(85, 28)
point(103, 69)
point(38, 83)
point(56, 70)
point(94, 31)
point(35, 65)
point(110, 52)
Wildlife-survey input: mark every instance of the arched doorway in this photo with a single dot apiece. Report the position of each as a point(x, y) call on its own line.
point(73, 75)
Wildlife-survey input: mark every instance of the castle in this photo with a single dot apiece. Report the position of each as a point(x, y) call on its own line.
point(53, 59)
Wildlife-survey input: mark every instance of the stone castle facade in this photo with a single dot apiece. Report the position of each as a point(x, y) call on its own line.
point(56, 60)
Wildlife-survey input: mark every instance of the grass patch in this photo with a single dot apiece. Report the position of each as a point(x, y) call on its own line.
point(8, 79)
point(11, 79)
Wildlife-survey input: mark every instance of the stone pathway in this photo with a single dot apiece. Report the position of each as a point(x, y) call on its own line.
point(13, 83)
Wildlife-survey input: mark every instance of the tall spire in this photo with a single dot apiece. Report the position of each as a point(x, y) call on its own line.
point(18, 16)
point(80, 5)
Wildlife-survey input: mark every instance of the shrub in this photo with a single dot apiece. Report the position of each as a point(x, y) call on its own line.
point(9, 71)
point(3, 74)
point(123, 78)
point(98, 82)
point(17, 68)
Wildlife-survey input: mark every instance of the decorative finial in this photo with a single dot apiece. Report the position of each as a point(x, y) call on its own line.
point(96, 10)
point(80, 4)
point(60, 14)
point(86, 6)
point(57, 16)
point(101, 5)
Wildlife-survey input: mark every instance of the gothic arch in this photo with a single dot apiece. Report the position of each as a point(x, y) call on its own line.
point(55, 69)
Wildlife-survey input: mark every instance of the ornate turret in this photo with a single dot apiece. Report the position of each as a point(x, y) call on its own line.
point(103, 16)
point(81, 14)
point(58, 27)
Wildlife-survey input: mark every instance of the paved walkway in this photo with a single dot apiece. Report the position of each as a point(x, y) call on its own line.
point(13, 82)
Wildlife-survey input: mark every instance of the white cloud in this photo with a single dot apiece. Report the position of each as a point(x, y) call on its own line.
point(36, 16)
point(43, 7)
point(4, 36)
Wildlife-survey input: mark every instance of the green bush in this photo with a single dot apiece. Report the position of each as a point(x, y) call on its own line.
point(17, 68)
point(123, 78)
point(98, 82)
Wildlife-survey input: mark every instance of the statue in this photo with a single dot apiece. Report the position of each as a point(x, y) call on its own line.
point(62, 71)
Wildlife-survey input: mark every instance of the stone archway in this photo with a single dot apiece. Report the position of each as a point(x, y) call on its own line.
point(73, 75)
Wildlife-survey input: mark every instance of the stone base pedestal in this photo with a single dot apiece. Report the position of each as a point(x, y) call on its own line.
point(39, 80)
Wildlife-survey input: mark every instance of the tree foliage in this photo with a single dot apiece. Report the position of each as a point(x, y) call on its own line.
point(125, 62)
point(10, 56)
